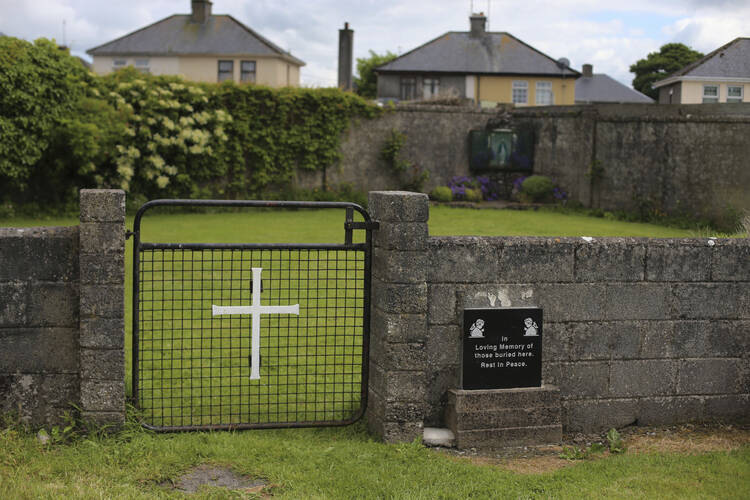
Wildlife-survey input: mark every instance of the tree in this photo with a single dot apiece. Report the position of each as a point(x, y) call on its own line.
point(366, 83)
point(658, 65)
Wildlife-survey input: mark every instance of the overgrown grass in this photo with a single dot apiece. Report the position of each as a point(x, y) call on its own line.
point(337, 463)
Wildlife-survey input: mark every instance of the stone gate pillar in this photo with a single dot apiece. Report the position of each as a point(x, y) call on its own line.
point(397, 382)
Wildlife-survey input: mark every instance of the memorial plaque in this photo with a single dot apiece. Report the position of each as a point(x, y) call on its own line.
point(502, 348)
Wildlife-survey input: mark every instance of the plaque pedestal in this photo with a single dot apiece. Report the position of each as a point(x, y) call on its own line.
point(502, 418)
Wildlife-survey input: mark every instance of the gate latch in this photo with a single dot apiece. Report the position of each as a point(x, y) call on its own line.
point(350, 225)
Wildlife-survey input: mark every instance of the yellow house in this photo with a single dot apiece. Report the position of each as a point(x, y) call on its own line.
point(486, 67)
point(202, 47)
point(721, 76)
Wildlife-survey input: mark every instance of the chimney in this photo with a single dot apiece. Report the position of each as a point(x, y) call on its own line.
point(478, 23)
point(346, 48)
point(201, 11)
point(588, 71)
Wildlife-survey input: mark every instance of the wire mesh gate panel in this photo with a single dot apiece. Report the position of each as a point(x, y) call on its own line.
point(251, 335)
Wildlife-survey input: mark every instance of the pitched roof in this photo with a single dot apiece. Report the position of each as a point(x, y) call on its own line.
point(491, 53)
point(728, 61)
point(602, 88)
point(178, 35)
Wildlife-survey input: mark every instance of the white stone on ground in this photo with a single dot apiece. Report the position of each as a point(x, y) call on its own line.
point(434, 436)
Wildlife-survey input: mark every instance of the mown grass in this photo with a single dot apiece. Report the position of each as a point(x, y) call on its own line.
point(335, 463)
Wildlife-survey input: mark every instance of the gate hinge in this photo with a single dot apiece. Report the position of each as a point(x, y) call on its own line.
point(128, 234)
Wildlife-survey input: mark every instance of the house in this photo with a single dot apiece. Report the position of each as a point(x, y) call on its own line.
point(485, 67)
point(721, 76)
point(593, 88)
point(203, 47)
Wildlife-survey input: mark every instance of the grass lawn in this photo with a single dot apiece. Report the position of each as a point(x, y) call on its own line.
point(342, 462)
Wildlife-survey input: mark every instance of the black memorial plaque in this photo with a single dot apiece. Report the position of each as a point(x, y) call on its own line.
point(502, 348)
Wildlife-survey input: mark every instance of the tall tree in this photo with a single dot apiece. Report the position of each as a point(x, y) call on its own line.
point(366, 83)
point(658, 65)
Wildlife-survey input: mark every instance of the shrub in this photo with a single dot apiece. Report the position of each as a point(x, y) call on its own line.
point(537, 189)
point(474, 195)
point(488, 188)
point(441, 193)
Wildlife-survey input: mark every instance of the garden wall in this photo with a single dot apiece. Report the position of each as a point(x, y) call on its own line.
point(673, 159)
point(636, 331)
point(62, 315)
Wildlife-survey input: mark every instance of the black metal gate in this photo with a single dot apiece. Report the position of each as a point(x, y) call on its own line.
point(249, 335)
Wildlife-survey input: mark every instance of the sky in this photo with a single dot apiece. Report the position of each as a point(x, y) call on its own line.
point(609, 36)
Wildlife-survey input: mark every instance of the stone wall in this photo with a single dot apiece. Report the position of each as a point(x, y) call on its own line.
point(644, 331)
point(61, 315)
point(675, 159)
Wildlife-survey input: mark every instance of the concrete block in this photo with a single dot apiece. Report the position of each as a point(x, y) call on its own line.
point(678, 263)
point(488, 439)
point(399, 298)
point(13, 304)
point(404, 236)
point(398, 206)
point(102, 364)
point(102, 205)
point(402, 432)
point(397, 385)
point(399, 267)
point(709, 376)
point(103, 301)
point(711, 300)
point(39, 253)
point(730, 407)
point(610, 259)
point(642, 378)
point(656, 339)
point(102, 395)
point(670, 410)
point(39, 350)
point(102, 237)
point(397, 327)
point(579, 379)
point(438, 383)
point(443, 347)
point(399, 356)
point(536, 260)
point(111, 421)
point(102, 333)
point(605, 340)
point(469, 401)
point(106, 268)
point(504, 418)
point(570, 301)
point(463, 260)
point(555, 342)
point(731, 260)
point(38, 399)
point(442, 304)
point(53, 304)
point(403, 411)
point(637, 301)
point(710, 339)
point(594, 415)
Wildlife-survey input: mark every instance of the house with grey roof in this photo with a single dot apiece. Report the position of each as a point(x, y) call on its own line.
point(593, 88)
point(200, 46)
point(720, 76)
point(485, 67)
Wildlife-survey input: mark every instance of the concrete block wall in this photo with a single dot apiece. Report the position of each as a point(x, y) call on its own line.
point(61, 316)
point(646, 331)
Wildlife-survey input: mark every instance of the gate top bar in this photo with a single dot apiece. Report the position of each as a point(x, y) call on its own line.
point(246, 203)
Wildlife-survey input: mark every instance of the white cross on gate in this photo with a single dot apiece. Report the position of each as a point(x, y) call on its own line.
point(255, 310)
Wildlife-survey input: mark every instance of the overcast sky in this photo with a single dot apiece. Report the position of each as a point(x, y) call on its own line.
point(585, 31)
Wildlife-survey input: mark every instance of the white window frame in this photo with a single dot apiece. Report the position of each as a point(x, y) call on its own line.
point(518, 89)
point(229, 74)
point(711, 98)
point(544, 89)
point(430, 87)
point(248, 76)
point(736, 98)
point(142, 65)
point(119, 64)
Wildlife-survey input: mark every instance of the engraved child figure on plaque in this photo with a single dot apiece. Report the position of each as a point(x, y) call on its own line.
point(530, 328)
point(476, 331)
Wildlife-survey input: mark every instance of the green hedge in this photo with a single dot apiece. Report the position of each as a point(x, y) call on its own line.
point(63, 128)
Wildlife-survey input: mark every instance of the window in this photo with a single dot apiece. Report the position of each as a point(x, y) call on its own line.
point(247, 71)
point(544, 95)
point(142, 65)
point(226, 70)
point(119, 63)
point(734, 93)
point(430, 87)
point(408, 88)
point(520, 92)
point(710, 93)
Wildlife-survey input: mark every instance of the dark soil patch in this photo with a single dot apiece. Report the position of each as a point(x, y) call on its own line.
point(215, 476)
